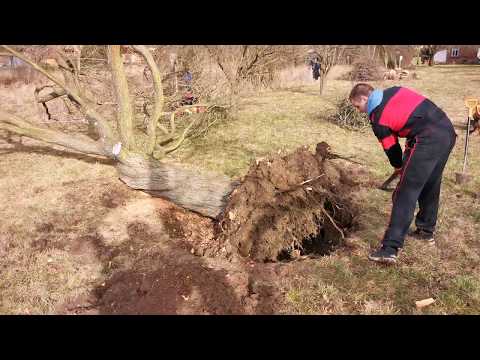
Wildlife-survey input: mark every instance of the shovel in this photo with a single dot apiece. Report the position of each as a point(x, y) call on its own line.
point(387, 182)
point(392, 177)
point(463, 177)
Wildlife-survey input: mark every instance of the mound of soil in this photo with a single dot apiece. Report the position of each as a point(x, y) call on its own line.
point(289, 206)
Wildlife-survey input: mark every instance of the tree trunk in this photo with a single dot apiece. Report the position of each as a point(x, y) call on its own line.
point(202, 192)
point(78, 57)
point(175, 78)
point(322, 83)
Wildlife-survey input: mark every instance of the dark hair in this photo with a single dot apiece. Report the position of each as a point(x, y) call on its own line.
point(360, 89)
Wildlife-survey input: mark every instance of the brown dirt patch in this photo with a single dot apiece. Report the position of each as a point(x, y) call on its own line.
point(289, 206)
point(192, 232)
point(115, 197)
point(45, 227)
point(47, 242)
point(172, 281)
point(173, 287)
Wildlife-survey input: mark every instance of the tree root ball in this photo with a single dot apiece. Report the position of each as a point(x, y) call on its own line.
point(289, 206)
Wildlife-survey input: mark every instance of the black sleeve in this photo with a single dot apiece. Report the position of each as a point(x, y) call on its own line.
point(389, 143)
point(395, 155)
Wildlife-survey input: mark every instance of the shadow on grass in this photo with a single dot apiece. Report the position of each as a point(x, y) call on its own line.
point(45, 150)
point(302, 90)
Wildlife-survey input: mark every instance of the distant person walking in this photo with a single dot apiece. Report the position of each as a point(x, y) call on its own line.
point(315, 68)
point(188, 77)
point(16, 62)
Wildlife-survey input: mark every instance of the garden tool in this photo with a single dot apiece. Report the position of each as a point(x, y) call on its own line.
point(395, 174)
point(387, 182)
point(471, 104)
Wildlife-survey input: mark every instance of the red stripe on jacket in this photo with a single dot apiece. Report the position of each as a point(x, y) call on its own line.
point(399, 108)
point(389, 141)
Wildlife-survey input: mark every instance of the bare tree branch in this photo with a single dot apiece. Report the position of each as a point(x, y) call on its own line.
point(172, 122)
point(158, 101)
point(80, 143)
point(91, 114)
point(55, 93)
point(216, 56)
point(181, 138)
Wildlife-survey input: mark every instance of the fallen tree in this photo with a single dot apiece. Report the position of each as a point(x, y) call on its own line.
point(285, 207)
point(139, 158)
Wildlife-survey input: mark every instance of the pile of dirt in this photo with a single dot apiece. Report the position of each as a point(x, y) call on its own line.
point(289, 206)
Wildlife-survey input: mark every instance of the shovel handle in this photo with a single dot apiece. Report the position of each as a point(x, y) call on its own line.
point(465, 153)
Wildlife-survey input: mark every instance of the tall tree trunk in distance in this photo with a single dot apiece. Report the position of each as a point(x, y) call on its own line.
point(173, 62)
point(322, 83)
point(175, 77)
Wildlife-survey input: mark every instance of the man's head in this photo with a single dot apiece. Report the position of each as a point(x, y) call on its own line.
point(359, 96)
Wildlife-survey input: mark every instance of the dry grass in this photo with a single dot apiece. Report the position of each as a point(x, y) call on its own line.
point(293, 76)
point(40, 188)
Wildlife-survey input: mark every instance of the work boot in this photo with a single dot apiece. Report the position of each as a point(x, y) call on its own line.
point(423, 235)
point(385, 255)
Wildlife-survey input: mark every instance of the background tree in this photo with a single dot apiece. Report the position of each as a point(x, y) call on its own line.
point(328, 56)
point(427, 53)
point(242, 64)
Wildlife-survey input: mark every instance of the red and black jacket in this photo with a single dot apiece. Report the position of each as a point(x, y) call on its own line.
point(401, 113)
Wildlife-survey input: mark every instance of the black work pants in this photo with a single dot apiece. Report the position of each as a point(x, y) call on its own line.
point(425, 159)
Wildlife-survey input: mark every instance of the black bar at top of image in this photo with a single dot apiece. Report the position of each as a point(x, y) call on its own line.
point(304, 23)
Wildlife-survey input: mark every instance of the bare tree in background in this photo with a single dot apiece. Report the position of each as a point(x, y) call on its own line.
point(137, 157)
point(427, 52)
point(246, 63)
point(328, 56)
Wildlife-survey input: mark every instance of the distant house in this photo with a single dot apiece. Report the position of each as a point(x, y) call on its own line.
point(458, 54)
